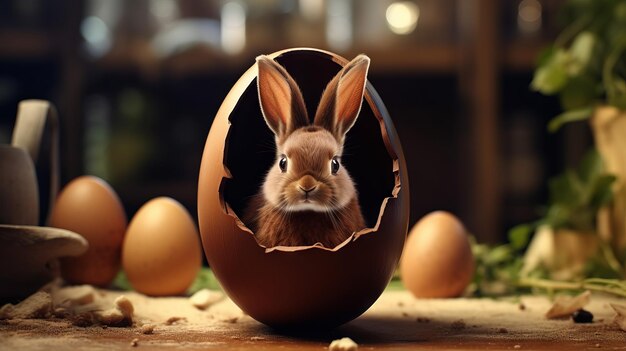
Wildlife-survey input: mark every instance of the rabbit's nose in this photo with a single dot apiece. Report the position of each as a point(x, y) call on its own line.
point(307, 190)
point(307, 184)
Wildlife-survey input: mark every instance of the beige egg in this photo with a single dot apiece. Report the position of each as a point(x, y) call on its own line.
point(161, 254)
point(90, 207)
point(437, 260)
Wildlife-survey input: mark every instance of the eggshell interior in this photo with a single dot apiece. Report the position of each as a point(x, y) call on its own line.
point(291, 287)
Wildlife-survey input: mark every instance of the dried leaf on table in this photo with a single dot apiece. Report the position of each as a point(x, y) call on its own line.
point(620, 318)
point(564, 306)
point(205, 298)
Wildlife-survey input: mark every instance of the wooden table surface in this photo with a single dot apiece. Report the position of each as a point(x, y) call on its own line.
point(396, 322)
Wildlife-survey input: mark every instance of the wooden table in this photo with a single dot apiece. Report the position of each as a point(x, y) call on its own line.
point(397, 321)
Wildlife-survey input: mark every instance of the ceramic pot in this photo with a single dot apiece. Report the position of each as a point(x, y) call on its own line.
point(19, 194)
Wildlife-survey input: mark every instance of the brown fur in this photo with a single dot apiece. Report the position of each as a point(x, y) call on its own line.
point(305, 228)
point(304, 201)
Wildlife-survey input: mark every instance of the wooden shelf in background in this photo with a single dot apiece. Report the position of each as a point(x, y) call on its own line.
point(419, 58)
point(16, 43)
point(431, 58)
point(522, 56)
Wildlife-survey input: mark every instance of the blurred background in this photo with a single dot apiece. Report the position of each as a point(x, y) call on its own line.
point(137, 84)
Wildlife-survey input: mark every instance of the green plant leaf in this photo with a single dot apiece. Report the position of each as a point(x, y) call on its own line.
point(576, 197)
point(581, 52)
point(204, 280)
point(566, 188)
point(121, 281)
point(552, 76)
point(579, 92)
point(590, 166)
point(619, 97)
point(569, 116)
point(601, 192)
point(520, 235)
point(545, 56)
point(558, 216)
point(620, 12)
point(498, 255)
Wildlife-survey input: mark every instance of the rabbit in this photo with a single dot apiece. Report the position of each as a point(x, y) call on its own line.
point(307, 197)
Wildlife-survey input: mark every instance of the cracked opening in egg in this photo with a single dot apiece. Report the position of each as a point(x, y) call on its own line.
point(250, 146)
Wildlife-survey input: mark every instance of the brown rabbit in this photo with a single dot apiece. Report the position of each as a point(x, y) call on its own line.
point(307, 197)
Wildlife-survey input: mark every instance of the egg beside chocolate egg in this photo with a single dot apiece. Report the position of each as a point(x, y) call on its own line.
point(437, 261)
point(297, 286)
point(90, 207)
point(161, 254)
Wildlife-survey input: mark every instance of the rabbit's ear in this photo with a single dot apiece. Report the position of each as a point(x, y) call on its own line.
point(341, 101)
point(281, 100)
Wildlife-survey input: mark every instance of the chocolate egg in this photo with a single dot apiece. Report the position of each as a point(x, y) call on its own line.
point(312, 285)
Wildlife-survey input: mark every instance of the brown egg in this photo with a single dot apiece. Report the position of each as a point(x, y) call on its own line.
point(296, 286)
point(437, 260)
point(161, 254)
point(90, 207)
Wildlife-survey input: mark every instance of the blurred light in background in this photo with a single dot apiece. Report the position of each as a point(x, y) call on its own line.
point(312, 10)
point(233, 16)
point(184, 33)
point(339, 24)
point(97, 36)
point(165, 11)
point(529, 16)
point(402, 17)
point(97, 135)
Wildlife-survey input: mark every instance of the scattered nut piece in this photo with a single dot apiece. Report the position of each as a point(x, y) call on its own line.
point(134, 342)
point(173, 320)
point(124, 305)
point(6, 311)
point(620, 317)
point(112, 317)
point(564, 306)
point(517, 346)
point(37, 305)
point(343, 344)
point(147, 329)
point(205, 298)
point(121, 315)
point(74, 296)
point(230, 320)
point(597, 345)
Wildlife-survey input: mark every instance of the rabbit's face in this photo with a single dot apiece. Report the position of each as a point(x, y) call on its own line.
point(308, 174)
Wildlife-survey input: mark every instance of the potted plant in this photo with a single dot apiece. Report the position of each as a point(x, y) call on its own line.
point(586, 68)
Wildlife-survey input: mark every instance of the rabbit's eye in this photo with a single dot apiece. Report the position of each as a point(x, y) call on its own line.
point(334, 165)
point(283, 164)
